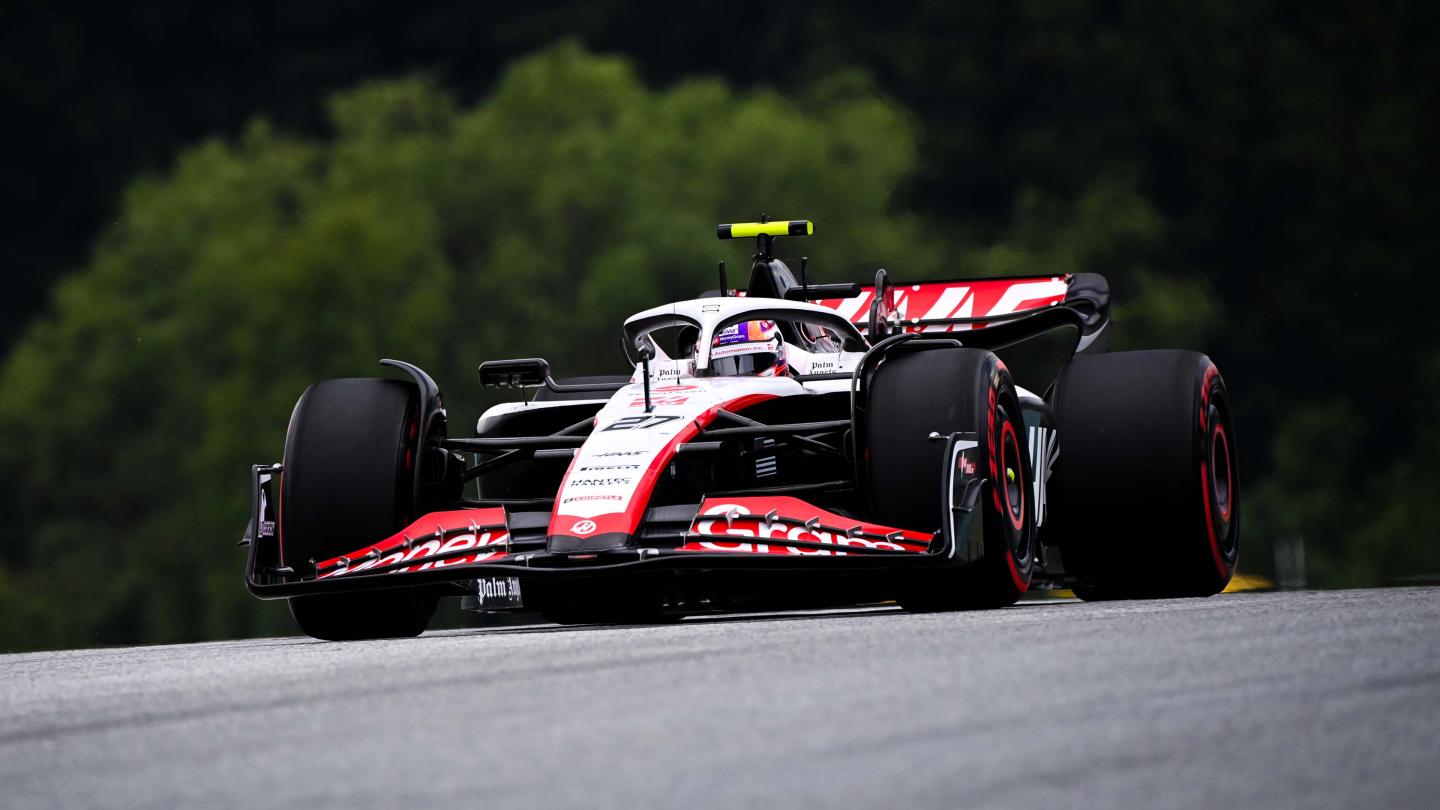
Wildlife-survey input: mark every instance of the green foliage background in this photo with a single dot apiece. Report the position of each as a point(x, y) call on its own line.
point(574, 191)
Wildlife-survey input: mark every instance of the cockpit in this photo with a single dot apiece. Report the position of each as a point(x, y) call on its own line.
point(743, 337)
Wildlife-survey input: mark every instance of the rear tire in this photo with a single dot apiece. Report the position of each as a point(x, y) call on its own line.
point(1145, 496)
point(349, 479)
point(947, 391)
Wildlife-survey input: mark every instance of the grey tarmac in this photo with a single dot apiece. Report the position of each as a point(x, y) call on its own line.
point(1314, 699)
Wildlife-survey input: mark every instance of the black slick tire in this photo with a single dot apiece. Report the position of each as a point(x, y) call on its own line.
point(945, 391)
point(1145, 496)
point(350, 456)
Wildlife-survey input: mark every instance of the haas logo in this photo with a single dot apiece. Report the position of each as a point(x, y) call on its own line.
point(583, 527)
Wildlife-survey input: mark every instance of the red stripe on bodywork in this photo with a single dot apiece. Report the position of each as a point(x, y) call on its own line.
point(983, 295)
point(625, 522)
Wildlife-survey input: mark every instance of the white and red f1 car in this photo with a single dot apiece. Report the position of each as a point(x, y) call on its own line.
point(944, 444)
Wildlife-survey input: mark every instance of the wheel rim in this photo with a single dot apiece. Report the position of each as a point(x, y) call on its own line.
point(1221, 484)
point(1224, 489)
point(1221, 478)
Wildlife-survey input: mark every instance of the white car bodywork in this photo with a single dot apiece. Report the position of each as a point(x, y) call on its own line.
point(609, 482)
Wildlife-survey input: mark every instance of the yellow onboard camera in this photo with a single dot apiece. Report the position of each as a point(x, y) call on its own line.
point(741, 230)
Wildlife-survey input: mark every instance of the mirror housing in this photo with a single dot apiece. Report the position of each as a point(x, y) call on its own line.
point(522, 373)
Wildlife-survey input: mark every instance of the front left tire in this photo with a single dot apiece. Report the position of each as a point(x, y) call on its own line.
point(349, 479)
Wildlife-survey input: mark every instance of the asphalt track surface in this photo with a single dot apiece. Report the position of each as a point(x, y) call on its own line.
point(1269, 700)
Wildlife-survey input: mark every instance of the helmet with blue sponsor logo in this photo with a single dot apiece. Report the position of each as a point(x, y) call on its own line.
point(748, 349)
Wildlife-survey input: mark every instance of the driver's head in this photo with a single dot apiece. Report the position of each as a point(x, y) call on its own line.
point(748, 348)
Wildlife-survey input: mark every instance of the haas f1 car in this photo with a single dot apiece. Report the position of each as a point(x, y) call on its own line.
point(944, 445)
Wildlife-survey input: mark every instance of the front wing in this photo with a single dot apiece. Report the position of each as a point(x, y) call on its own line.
point(757, 532)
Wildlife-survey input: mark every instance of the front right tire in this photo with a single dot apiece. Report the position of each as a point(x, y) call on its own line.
point(946, 391)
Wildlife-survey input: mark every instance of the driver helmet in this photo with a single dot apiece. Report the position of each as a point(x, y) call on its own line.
point(748, 349)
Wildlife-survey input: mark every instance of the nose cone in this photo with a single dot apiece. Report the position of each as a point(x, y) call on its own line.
point(572, 543)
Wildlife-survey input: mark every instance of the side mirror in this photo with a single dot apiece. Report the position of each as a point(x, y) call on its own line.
point(523, 373)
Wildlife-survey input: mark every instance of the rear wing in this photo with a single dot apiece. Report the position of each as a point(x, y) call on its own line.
point(953, 306)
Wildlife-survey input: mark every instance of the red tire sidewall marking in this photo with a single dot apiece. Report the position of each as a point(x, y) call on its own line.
point(1007, 439)
point(1220, 566)
point(1002, 506)
point(412, 431)
point(278, 482)
point(1022, 584)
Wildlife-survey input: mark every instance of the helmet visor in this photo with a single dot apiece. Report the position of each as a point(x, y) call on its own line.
point(743, 365)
